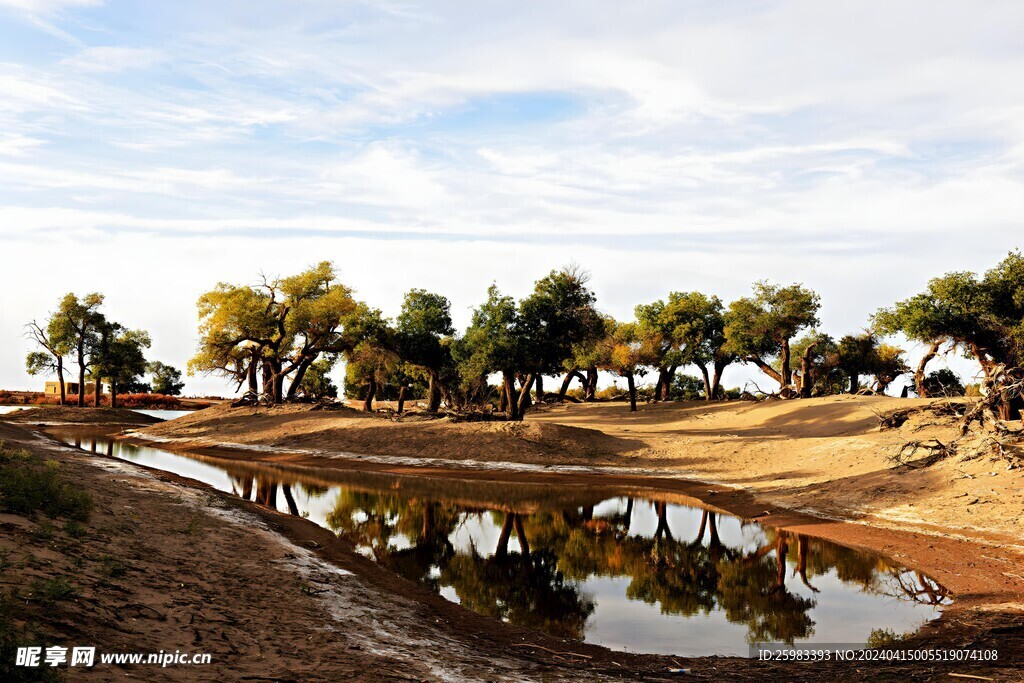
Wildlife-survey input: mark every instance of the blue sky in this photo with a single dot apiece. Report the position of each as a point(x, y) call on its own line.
point(149, 150)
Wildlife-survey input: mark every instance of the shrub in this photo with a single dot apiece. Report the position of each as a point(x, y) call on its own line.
point(943, 382)
point(14, 634)
point(28, 485)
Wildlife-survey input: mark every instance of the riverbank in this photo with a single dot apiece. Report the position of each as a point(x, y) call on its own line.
point(824, 456)
point(207, 560)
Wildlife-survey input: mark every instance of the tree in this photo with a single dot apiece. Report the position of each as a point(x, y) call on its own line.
point(316, 383)
point(818, 373)
point(855, 356)
point(760, 327)
point(274, 330)
point(75, 325)
point(887, 364)
point(944, 382)
point(166, 379)
point(493, 343)
point(628, 353)
point(935, 317)
point(118, 356)
point(55, 340)
point(370, 359)
point(425, 319)
point(557, 317)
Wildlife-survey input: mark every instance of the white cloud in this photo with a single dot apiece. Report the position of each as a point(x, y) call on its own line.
point(678, 145)
point(112, 59)
point(47, 6)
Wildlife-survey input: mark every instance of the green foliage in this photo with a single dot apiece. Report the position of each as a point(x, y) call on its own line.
point(944, 382)
point(689, 328)
point(15, 633)
point(52, 590)
point(274, 328)
point(884, 637)
point(758, 326)
point(118, 354)
point(166, 379)
point(556, 318)
point(28, 485)
point(317, 383)
point(686, 387)
point(493, 341)
point(984, 316)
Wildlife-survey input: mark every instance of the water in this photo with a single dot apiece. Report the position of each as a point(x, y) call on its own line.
point(162, 414)
point(628, 569)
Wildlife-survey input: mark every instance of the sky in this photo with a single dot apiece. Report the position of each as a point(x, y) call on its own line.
point(150, 150)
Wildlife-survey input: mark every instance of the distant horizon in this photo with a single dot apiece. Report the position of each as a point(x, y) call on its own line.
point(150, 151)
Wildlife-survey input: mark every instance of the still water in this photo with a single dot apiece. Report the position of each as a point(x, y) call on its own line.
point(162, 414)
point(628, 569)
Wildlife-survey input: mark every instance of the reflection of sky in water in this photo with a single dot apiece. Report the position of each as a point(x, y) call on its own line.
point(843, 613)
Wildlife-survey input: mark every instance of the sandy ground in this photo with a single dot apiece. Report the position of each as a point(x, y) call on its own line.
point(826, 456)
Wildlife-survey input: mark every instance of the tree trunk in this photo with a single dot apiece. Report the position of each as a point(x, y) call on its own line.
point(540, 388)
point(662, 528)
point(97, 392)
point(590, 390)
point(708, 389)
point(503, 399)
point(113, 394)
point(292, 507)
point(251, 373)
point(629, 513)
point(806, 380)
point(524, 545)
point(658, 385)
point(716, 380)
point(433, 394)
point(81, 375)
point(765, 368)
point(60, 379)
point(371, 391)
point(511, 404)
point(506, 533)
point(300, 372)
point(401, 399)
point(919, 376)
point(278, 383)
point(524, 395)
point(632, 392)
point(565, 384)
point(268, 379)
point(787, 372)
point(854, 382)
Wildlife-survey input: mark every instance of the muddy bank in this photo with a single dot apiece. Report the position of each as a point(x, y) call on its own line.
point(825, 456)
point(49, 415)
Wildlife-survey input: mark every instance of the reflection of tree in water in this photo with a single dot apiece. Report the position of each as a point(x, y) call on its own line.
point(752, 591)
point(524, 588)
point(682, 571)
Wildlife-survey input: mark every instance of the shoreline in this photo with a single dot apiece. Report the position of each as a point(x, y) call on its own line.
point(987, 605)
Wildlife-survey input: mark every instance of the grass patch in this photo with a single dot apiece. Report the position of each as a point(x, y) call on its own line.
point(195, 525)
point(29, 485)
point(112, 567)
point(52, 590)
point(883, 637)
point(14, 635)
point(75, 529)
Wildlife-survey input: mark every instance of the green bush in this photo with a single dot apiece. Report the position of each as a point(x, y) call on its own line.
point(28, 485)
